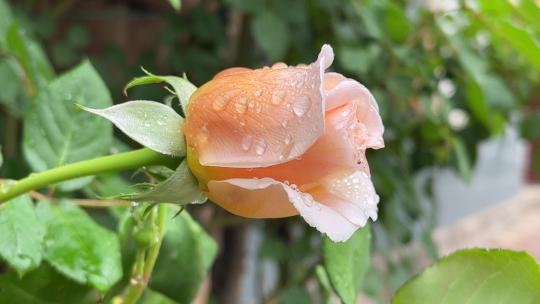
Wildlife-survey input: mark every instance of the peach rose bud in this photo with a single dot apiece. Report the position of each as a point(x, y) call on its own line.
point(281, 141)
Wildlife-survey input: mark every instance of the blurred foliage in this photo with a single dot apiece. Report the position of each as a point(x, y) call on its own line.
point(446, 76)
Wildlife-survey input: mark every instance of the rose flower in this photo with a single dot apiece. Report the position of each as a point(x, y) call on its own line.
point(281, 141)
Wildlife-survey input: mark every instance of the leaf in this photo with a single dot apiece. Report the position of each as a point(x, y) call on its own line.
point(271, 35)
point(462, 157)
point(180, 188)
point(151, 297)
point(11, 94)
point(152, 124)
point(78, 247)
point(43, 286)
point(186, 255)
point(181, 86)
point(176, 4)
point(30, 56)
point(5, 22)
point(21, 234)
point(521, 40)
point(476, 276)
point(57, 133)
point(396, 24)
point(346, 263)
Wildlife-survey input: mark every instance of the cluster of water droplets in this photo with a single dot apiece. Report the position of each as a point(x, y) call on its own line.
point(357, 189)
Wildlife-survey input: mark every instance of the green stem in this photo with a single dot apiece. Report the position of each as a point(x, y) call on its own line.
point(144, 263)
point(112, 163)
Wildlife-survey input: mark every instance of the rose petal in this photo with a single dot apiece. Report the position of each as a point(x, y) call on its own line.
point(262, 198)
point(333, 152)
point(253, 198)
point(244, 119)
point(351, 193)
point(354, 98)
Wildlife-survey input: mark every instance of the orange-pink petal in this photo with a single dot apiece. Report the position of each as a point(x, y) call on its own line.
point(253, 197)
point(258, 118)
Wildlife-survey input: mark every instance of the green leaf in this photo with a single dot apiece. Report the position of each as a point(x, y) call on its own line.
point(30, 56)
point(181, 86)
point(271, 35)
point(186, 255)
point(43, 286)
point(180, 188)
point(78, 247)
point(396, 22)
point(247, 6)
point(11, 94)
point(176, 4)
point(462, 158)
point(476, 276)
point(5, 22)
point(56, 132)
point(346, 263)
point(521, 40)
point(151, 297)
point(152, 124)
point(21, 234)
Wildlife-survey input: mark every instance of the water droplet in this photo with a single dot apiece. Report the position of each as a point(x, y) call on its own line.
point(247, 141)
point(258, 93)
point(346, 112)
point(203, 135)
point(241, 105)
point(284, 123)
point(147, 124)
point(301, 105)
point(288, 139)
point(278, 97)
point(260, 146)
point(220, 103)
point(160, 122)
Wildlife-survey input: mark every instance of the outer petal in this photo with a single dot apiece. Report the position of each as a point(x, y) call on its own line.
point(256, 197)
point(245, 119)
point(333, 152)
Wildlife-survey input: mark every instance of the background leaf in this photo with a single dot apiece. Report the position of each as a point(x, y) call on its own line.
point(21, 234)
point(43, 286)
point(476, 276)
point(56, 132)
point(347, 262)
point(152, 124)
point(175, 4)
point(78, 247)
point(271, 34)
point(186, 255)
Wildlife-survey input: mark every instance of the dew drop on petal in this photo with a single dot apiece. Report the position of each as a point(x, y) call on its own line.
point(258, 93)
point(247, 141)
point(278, 97)
point(241, 105)
point(288, 139)
point(301, 105)
point(203, 134)
point(220, 103)
point(260, 146)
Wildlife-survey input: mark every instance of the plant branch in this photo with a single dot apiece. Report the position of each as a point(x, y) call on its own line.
point(111, 163)
point(145, 260)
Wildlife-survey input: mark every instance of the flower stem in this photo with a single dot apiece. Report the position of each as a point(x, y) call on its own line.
point(145, 261)
point(110, 163)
